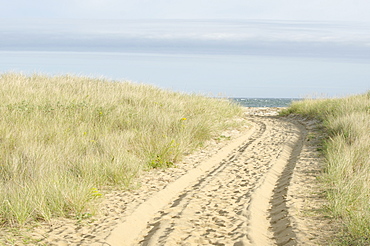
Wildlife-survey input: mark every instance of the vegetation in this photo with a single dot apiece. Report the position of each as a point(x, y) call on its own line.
point(64, 138)
point(347, 152)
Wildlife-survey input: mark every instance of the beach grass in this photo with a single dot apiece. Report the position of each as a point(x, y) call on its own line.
point(347, 151)
point(64, 138)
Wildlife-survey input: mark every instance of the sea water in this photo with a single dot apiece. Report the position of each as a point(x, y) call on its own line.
point(264, 102)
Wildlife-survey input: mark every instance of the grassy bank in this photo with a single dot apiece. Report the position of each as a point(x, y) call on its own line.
point(347, 152)
point(63, 138)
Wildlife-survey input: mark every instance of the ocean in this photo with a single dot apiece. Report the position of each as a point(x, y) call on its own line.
point(264, 102)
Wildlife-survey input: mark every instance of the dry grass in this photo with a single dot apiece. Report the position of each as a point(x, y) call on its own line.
point(63, 138)
point(347, 151)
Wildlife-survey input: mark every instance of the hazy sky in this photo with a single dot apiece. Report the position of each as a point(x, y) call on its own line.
point(313, 10)
point(329, 40)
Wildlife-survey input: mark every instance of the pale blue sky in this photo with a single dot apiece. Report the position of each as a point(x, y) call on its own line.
point(313, 10)
point(285, 48)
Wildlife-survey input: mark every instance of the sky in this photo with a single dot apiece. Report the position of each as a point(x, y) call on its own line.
point(334, 32)
point(313, 10)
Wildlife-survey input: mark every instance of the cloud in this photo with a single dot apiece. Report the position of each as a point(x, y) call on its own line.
point(277, 38)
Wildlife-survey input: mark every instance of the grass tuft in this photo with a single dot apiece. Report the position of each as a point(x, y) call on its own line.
point(347, 151)
point(62, 138)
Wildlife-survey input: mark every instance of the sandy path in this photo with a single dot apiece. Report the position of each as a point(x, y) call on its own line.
point(230, 204)
point(253, 190)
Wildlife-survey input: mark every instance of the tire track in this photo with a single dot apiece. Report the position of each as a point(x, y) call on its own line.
point(127, 232)
point(269, 217)
point(151, 238)
point(237, 201)
point(280, 220)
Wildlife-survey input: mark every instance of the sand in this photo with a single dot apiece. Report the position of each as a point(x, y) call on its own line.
point(257, 188)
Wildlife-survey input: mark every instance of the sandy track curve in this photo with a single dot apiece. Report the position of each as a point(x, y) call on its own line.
point(126, 233)
point(228, 202)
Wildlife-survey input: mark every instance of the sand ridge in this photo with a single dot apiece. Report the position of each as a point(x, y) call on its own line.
point(268, 218)
point(253, 191)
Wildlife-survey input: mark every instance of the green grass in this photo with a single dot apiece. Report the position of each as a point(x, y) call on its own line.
point(63, 138)
point(347, 152)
